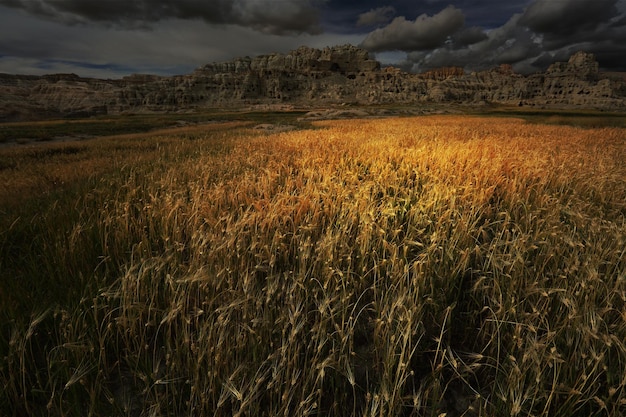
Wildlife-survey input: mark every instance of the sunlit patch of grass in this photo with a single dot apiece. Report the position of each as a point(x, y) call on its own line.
point(415, 266)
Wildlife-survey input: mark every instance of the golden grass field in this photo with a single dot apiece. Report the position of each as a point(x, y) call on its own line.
point(427, 266)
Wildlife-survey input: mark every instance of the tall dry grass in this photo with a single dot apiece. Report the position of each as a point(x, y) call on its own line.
point(429, 266)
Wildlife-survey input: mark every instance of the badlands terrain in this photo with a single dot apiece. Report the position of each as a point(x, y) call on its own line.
point(310, 78)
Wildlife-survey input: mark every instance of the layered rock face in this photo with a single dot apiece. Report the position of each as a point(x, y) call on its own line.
point(309, 77)
point(50, 96)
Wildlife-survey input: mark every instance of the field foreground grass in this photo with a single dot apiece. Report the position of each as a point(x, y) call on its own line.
point(422, 266)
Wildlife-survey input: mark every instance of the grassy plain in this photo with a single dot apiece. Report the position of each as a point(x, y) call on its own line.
point(51, 130)
point(455, 265)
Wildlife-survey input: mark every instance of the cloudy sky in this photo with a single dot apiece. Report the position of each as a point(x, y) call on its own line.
point(113, 38)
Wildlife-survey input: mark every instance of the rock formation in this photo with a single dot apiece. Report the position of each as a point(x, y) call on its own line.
point(309, 77)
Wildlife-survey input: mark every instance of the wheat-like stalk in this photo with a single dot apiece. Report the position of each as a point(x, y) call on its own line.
point(445, 265)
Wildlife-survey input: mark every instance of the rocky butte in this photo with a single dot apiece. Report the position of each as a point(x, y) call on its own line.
point(310, 78)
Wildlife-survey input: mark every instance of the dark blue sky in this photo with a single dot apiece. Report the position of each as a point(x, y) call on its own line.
point(113, 38)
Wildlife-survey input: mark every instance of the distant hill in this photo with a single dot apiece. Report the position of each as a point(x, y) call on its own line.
point(310, 77)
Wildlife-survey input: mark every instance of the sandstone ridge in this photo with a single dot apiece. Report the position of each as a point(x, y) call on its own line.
point(309, 77)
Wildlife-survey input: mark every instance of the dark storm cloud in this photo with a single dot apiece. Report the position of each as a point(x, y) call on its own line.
point(507, 44)
point(425, 32)
point(535, 34)
point(567, 26)
point(565, 17)
point(468, 36)
point(268, 16)
point(412, 34)
point(568, 23)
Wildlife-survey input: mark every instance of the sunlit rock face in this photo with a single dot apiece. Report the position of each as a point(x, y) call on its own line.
point(310, 77)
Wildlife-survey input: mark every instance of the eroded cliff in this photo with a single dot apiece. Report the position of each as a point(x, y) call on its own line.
point(309, 77)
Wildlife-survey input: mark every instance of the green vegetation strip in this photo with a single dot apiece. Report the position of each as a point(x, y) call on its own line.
point(43, 131)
